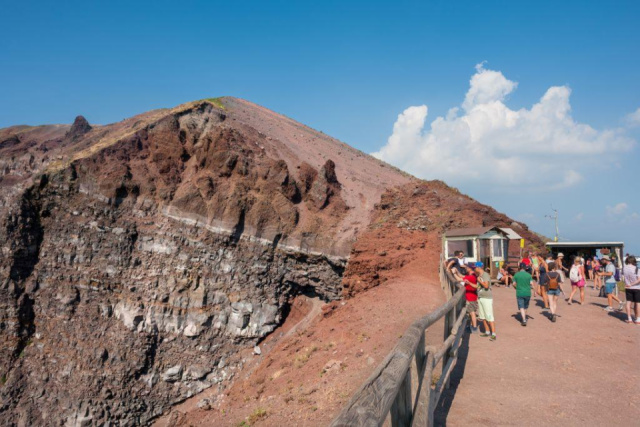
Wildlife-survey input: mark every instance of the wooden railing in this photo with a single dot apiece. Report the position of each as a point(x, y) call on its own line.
point(389, 388)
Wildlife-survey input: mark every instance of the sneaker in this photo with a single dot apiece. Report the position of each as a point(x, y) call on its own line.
point(484, 334)
point(621, 307)
point(492, 337)
point(553, 318)
point(524, 323)
point(609, 309)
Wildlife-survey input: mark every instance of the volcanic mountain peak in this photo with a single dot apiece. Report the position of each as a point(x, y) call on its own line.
point(177, 153)
point(141, 258)
point(79, 128)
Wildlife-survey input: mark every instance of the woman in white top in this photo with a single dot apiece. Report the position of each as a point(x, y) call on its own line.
point(632, 288)
point(577, 277)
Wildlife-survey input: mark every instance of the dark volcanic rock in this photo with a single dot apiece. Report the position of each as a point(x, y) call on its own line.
point(132, 276)
point(79, 128)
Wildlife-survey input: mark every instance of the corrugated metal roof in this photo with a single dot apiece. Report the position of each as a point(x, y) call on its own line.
point(474, 231)
point(583, 244)
point(511, 235)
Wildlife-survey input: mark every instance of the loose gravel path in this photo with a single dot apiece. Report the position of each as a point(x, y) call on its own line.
point(583, 370)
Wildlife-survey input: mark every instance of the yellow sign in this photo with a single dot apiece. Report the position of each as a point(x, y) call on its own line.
point(522, 243)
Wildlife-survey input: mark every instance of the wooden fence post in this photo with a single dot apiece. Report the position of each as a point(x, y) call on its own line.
point(402, 405)
point(388, 390)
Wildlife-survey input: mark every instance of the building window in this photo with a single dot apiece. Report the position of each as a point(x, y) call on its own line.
point(465, 246)
point(497, 248)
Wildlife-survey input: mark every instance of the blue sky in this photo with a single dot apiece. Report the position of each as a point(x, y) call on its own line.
point(350, 69)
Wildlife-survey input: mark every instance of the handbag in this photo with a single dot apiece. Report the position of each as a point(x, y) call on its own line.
point(602, 292)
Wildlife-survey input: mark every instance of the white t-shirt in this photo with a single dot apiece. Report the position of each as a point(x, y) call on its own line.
point(631, 275)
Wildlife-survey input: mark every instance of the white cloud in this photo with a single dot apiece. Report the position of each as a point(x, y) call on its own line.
point(633, 120)
point(618, 214)
point(487, 86)
point(487, 143)
point(618, 209)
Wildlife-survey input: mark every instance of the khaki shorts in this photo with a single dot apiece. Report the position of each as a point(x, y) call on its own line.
point(472, 306)
point(485, 309)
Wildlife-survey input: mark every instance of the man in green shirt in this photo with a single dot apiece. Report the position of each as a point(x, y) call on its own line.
point(522, 285)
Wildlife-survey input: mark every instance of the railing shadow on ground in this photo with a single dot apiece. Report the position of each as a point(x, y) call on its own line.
point(389, 392)
point(442, 410)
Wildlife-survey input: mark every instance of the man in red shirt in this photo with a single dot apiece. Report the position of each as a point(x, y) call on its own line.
point(471, 295)
point(526, 261)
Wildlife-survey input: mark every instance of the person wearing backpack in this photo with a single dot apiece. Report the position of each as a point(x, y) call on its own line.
point(632, 288)
point(610, 283)
point(541, 288)
point(577, 277)
point(553, 283)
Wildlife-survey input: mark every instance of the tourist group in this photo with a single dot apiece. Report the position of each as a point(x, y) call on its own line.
point(544, 277)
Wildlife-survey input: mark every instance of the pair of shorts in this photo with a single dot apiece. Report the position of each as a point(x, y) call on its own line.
point(485, 309)
point(632, 295)
point(555, 292)
point(609, 287)
point(579, 284)
point(472, 306)
point(523, 302)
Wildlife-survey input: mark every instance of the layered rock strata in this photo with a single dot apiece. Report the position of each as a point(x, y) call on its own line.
point(135, 270)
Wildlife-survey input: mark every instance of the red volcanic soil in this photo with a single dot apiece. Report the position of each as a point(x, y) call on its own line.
point(392, 279)
point(309, 375)
point(408, 224)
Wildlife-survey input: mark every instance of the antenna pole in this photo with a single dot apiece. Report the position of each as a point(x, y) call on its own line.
point(555, 218)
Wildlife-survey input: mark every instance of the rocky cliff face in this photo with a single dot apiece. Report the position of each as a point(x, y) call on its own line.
point(140, 257)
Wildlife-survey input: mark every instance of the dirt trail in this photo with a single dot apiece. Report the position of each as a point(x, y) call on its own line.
point(581, 370)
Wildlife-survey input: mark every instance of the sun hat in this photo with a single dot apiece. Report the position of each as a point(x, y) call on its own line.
point(479, 264)
point(560, 254)
point(606, 257)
